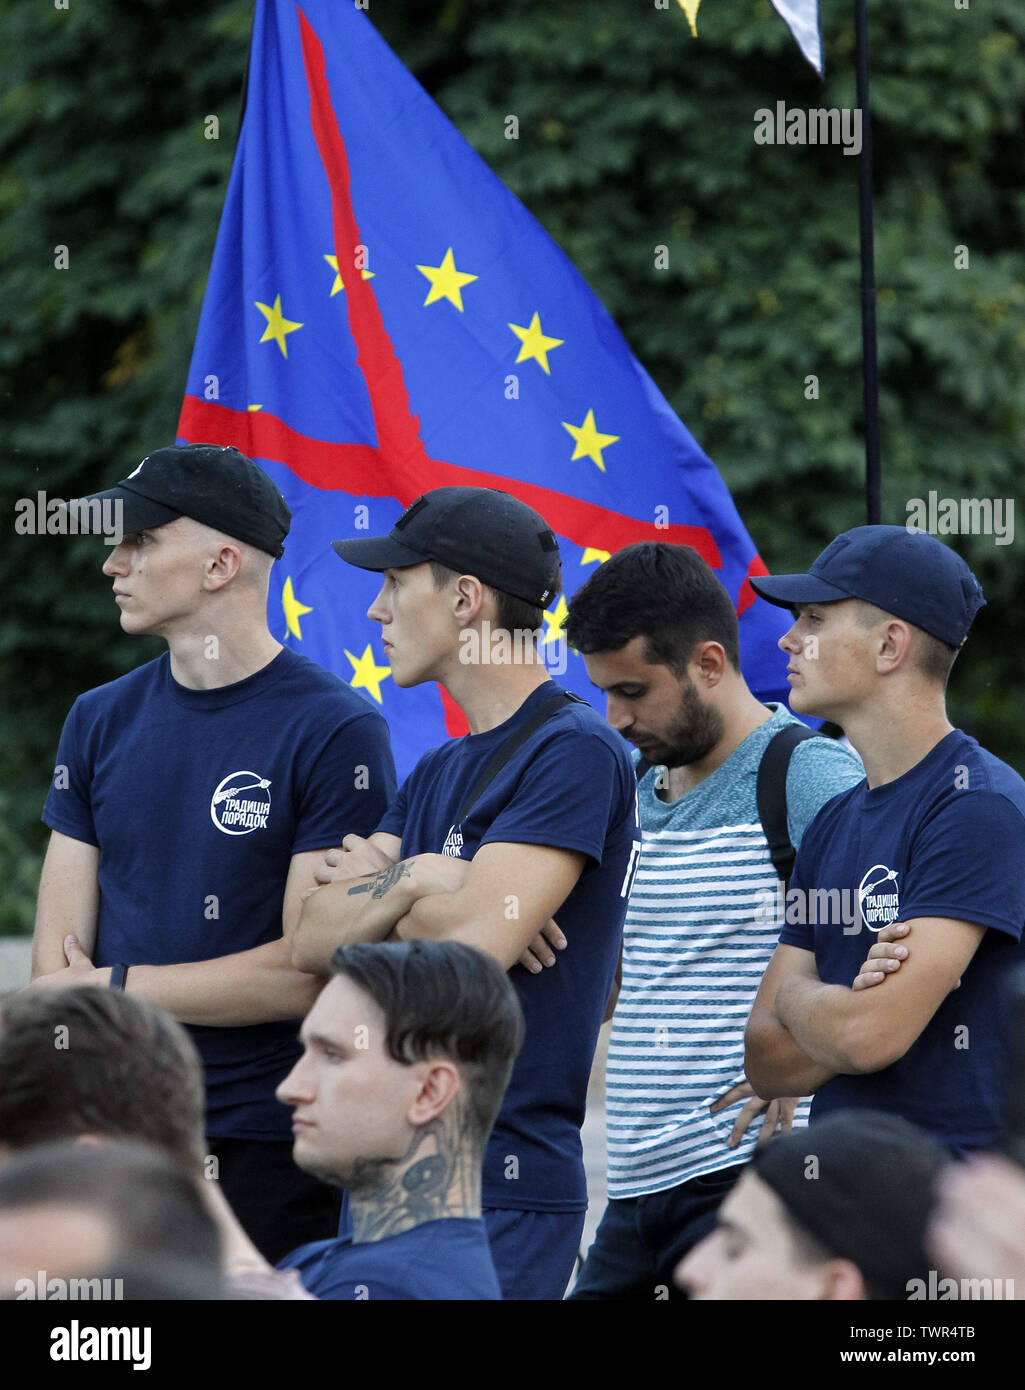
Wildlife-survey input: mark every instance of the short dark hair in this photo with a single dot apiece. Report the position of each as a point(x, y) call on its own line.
point(809, 1250)
point(152, 1204)
point(664, 593)
point(511, 614)
point(86, 1060)
point(444, 999)
point(933, 658)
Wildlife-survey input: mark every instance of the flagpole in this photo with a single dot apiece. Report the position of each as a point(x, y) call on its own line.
point(870, 369)
point(245, 82)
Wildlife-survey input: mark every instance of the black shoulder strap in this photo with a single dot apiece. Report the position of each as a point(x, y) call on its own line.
point(772, 795)
point(515, 740)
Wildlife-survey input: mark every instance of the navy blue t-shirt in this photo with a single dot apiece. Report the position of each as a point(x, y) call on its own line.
point(570, 786)
point(445, 1259)
point(197, 800)
point(945, 840)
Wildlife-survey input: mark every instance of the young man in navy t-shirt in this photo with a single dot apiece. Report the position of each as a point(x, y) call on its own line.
point(192, 799)
point(928, 849)
point(553, 834)
point(407, 1054)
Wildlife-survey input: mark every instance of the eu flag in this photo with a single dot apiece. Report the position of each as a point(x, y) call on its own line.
point(383, 317)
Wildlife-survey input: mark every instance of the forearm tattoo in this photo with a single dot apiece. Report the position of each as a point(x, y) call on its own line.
point(379, 885)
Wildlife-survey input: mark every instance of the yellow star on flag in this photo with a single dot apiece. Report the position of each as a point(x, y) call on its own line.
point(338, 284)
point(293, 609)
point(366, 674)
point(277, 325)
point(254, 407)
point(446, 281)
point(589, 440)
point(534, 343)
point(554, 621)
point(590, 555)
point(690, 9)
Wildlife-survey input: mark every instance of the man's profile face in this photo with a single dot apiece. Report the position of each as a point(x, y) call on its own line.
point(830, 659)
point(417, 629)
point(662, 715)
point(158, 575)
point(351, 1097)
point(750, 1254)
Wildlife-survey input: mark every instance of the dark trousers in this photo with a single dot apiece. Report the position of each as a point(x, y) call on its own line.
point(279, 1206)
point(641, 1240)
point(533, 1251)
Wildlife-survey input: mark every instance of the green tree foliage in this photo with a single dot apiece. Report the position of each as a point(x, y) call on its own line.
point(633, 136)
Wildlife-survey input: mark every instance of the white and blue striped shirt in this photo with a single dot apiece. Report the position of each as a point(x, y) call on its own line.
point(697, 939)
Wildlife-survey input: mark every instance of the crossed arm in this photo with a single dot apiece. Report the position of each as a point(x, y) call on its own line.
point(802, 1032)
point(259, 985)
point(499, 901)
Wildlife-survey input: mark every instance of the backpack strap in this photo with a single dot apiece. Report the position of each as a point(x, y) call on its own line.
point(772, 795)
point(515, 741)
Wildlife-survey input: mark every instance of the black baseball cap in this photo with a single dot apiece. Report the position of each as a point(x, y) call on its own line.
point(211, 483)
point(908, 573)
point(474, 530)
point(869, 1194)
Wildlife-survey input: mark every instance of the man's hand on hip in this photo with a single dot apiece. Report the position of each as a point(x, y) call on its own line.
point(779, 1114)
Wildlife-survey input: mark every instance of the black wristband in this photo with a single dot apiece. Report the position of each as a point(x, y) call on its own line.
point(118, 976)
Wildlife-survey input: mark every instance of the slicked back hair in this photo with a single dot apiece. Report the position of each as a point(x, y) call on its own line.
point(663, 593)
point(444, 999)
point(86, 1060)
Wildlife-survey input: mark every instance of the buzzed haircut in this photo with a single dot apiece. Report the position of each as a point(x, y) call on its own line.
point(444, 999)
point(512, 614)
point(933, 657)
point(86, 1060)
point(664, 593)
point(151, 1203)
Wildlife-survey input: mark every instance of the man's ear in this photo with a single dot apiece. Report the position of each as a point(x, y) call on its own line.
point(468, 599)
point(222, 567)
point(894, 647)
point(843, 1282)
point(710, 660)
point(439, 1083)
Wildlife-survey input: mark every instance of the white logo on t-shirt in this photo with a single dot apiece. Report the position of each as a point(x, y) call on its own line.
point(241, 803)
point(453, 843)
point(879, 903)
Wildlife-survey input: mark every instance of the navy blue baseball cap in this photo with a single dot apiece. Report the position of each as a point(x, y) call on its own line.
point(212, 483)
point(473, 530)
point(907, 573)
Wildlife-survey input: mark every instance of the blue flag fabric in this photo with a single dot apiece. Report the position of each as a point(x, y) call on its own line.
point(383, 317)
